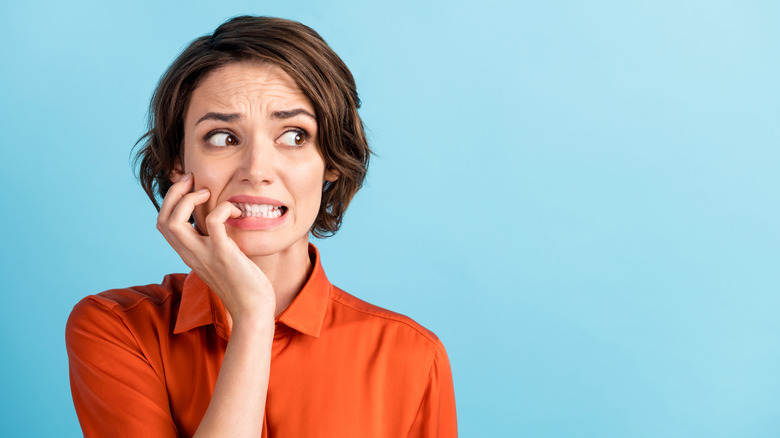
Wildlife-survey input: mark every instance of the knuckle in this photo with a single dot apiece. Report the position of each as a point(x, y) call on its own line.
point(175, 231)
point(212, 220)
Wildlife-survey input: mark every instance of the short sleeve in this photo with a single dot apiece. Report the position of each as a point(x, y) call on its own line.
point(115, 389)
point(436, 416)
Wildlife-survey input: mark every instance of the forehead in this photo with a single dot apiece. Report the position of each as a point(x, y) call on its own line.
point(247, 87)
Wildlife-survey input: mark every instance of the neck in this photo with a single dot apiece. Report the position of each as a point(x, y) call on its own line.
point(287, 271)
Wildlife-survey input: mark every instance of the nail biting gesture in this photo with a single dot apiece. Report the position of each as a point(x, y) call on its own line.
point(243, 288)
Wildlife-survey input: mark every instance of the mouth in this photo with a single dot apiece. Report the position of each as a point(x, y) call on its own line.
point(265, 211)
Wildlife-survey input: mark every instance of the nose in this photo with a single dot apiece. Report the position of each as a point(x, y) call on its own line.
point(258, 162)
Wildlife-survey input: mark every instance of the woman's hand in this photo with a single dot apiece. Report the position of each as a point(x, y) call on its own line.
point(242, 385)
point(243, 288)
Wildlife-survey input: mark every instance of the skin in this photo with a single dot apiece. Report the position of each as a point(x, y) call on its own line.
point(256, 273)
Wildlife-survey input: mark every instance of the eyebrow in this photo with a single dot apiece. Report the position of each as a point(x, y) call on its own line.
point(286, 114)
point(220, 117)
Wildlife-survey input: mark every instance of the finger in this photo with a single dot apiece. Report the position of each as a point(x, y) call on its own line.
point(172, 198)
point(186, 205)
point(174, 195)
point(178, 223)
point(215, 221)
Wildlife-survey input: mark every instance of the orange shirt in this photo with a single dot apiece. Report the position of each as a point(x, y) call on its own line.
point(144, 361)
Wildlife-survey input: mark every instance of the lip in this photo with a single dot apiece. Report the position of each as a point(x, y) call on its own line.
point(256, 223)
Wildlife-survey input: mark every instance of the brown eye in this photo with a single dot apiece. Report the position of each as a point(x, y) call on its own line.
point(293, 138)
point(222, 139)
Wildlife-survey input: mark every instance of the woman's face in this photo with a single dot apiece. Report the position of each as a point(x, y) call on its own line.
point(250, 138)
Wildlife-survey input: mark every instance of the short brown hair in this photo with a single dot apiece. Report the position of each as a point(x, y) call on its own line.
point(301, 53)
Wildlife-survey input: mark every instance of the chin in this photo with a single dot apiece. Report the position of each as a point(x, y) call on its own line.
point(256, 247)
point(261, 244)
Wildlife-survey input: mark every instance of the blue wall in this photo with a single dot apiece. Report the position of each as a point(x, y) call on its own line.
point(579, 198)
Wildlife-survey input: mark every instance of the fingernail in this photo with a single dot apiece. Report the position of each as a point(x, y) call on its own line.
point(203, 190)
point(186, 176)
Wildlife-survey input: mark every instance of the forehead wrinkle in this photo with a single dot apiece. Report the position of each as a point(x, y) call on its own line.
point(235, 89)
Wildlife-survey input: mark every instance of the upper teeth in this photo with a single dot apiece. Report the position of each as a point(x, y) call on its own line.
point(259, 210)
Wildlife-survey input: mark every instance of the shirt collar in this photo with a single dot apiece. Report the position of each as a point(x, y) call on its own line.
point(200, 306)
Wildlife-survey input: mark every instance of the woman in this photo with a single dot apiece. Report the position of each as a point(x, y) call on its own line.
point(254, 142)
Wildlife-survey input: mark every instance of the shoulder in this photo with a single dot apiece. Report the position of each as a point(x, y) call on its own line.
point(150, 294)
point(349, 307)
point(128, 305)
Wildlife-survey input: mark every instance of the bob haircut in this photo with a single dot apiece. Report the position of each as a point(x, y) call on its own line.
point(301, 53)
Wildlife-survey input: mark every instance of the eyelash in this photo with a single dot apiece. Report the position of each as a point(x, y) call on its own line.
point(213, 133)
point(300, 131)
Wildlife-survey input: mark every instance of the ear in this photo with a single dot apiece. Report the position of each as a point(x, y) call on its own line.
point(177, 172)
point(331, 175)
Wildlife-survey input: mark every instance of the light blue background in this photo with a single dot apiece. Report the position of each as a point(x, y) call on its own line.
point(579, 198)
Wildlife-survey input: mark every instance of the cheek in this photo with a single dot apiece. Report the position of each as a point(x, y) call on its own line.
point(206, 176)
point(311, 188)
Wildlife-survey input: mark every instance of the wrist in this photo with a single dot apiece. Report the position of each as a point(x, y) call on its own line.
point(253, 318)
